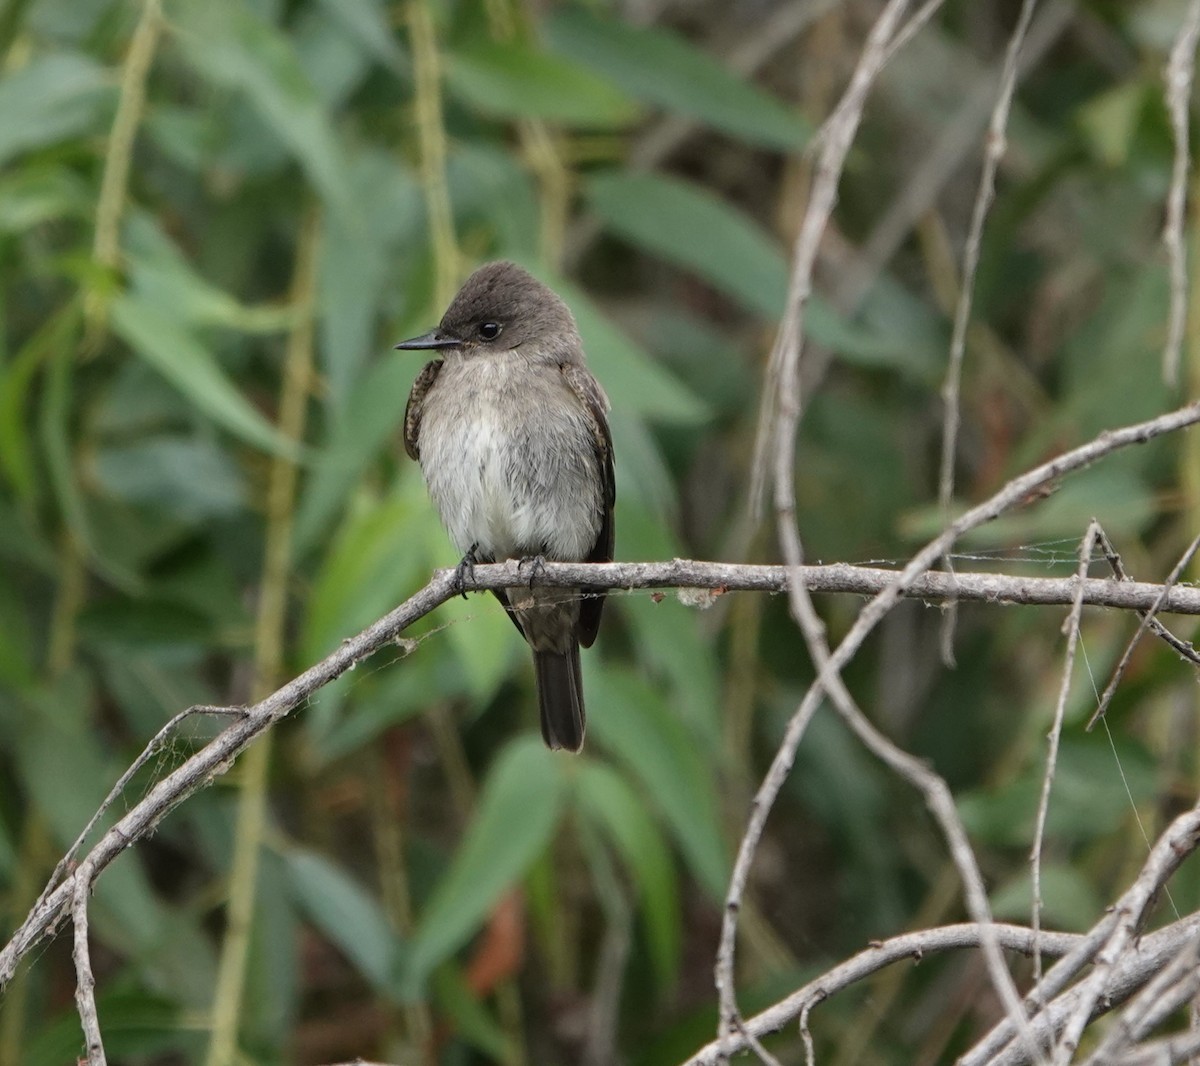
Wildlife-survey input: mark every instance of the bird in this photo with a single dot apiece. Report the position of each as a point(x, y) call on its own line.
point(511, 431)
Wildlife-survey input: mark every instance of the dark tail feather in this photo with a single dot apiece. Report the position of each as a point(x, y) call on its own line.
point(560, 698)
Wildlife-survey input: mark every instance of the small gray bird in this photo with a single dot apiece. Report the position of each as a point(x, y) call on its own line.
point(511, 432)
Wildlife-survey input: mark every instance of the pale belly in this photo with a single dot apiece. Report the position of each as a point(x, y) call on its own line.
point(513, 478)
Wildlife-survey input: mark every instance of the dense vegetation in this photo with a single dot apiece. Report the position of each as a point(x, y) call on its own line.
point(217, 216)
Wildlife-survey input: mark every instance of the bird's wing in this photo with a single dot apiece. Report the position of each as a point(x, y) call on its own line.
point(416, 406)
point(589, 393)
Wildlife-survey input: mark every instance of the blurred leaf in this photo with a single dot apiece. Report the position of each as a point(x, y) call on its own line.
point(373, 413)
point(66, 772)
point(346, 914)
point(630, 375)
point(141, 623)
point(485, 642)
point(233, 47)
point(517, 812)
point(365, 572)
point(668, 636)
point(490, 187)
point(274, 970)
point(630, 719)
point(662, 69)
point(515, 81)
point(1121, 498)
point(190, 479)
point(54, 432)
point(55, 340)
point(1110, 121)
point(160, 275)
point(643, 478)
point(17, 662)
point(53, 98)
point(400, 688)
point(1079, 810)
point(606, 798)
point(137, 1022)
point(1069, 899)
point(191, 368)
point(369, 23)
point(33, 195)
point(692, 228)
point(473, 1022)
point(357, 264)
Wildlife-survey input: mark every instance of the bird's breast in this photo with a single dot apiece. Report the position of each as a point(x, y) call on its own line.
point(507, 454)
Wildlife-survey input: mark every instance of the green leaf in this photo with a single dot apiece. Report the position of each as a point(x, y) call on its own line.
point(189, 479)
point(372, 414)
point(1079, 811)
point(662, 69)
point(485, 642)
point(35, 194)
point(160, 275)
point(233, 47)
point(346, 914)
point(190, 367)
point(359, 255)
point(518, 811)
point(515, 81)
point(1110, 120)
point(607, 799)
point(53, 98)
point(365, 573)
point(689, 226)
point(369, 23)
point(633, 379)
point(1069, 900)
point(631, 720)
point(473, 1022)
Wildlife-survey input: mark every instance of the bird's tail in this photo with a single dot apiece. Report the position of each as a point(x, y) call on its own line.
point(560, 697)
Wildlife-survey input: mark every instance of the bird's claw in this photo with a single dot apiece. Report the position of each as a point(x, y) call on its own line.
point(536, 564)
point(465, 567)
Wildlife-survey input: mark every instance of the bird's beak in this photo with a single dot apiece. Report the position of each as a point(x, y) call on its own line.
point(435, 338)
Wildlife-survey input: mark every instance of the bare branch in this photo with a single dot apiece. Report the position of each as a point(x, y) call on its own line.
point(994, 147)
point(1169, 990)
point(1156, 627)
point(85, 981)
point(1148, 620)
point(879, 955)
point(1181, 69)
point(1017, 490)
point(1072, 626)
point(1121, 961)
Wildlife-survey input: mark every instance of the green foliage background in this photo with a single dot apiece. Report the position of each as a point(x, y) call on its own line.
point(199, 210)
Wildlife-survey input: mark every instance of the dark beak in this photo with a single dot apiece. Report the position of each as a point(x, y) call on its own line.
point(435, 338)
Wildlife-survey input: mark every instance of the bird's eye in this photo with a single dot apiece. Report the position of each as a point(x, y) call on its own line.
point(489, 331)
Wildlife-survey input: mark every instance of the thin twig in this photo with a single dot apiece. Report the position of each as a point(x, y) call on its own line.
point(1184, 647)
point(1170, 989)
point(1106, 943)
point(994, 145)
point(1086, 547)
point(270, 629)
point(1146, 623)
point(1014, 492)
point(218, 755)
point(878, 956)
point(157, 743)
point(85, 981)
point(1181, 69)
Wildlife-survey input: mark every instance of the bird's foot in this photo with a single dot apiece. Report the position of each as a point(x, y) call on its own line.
point(536, 564)
point(464, 569)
